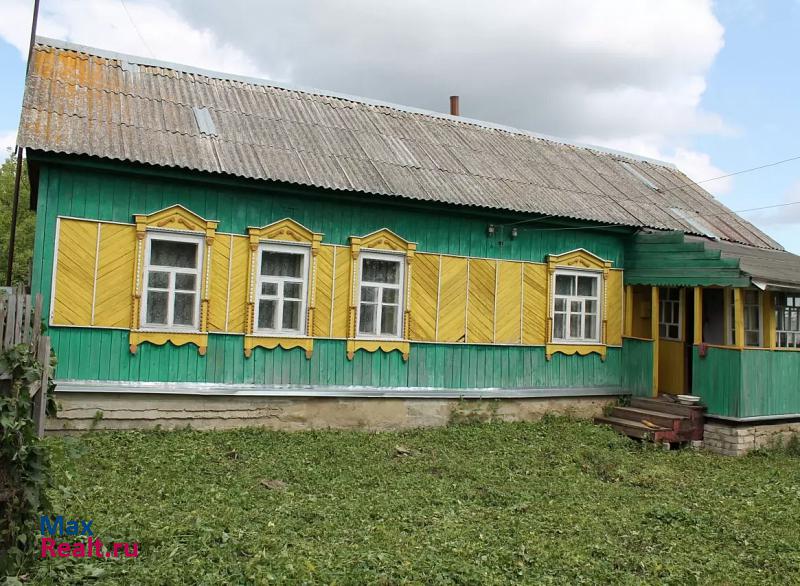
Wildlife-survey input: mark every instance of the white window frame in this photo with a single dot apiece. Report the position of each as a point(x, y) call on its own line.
point(598, 276)
point(385, 256)
point(731, 333)
point(299, 249)
point(662, 303)
point(197, 272)
point(792, 336)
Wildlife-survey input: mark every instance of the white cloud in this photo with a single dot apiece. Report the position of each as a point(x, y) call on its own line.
point(8, 139)
point(105, 24)
point(629, 74)
point(786, 216)
point(696, 165)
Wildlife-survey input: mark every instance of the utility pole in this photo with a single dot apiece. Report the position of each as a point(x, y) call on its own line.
point(18, 175)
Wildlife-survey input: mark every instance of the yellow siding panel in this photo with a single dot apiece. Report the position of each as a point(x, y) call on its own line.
point(324, 292)
point(218, 291)
point(77, 247)
point(509, 293)
point(535, 309)
point(480, 317)
point(452, 305)
point(115, 268)
point(614, 316)
point(424, 292)
point(341, 292)
point(237, 308)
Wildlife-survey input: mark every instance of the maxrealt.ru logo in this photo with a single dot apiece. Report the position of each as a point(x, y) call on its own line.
point(81, 529)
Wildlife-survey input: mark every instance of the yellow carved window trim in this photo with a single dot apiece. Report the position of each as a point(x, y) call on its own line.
point(285, 231)
point(175, 219)
point(579, 259)
point(383, 240)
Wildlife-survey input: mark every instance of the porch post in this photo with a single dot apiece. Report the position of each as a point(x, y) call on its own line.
point(628, 310)
point(738, 313)
point(654, 318)
point(768, 315)
point(698, 316)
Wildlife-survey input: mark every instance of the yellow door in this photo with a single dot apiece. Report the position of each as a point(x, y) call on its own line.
point(672, 341)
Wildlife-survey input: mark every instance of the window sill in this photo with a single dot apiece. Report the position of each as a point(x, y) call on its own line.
point(373, 345)
point(572, 348)
point(271, 342)
point(161, 337)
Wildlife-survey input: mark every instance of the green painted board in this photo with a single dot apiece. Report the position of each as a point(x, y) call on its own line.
point(637, 367)
point(112, 193)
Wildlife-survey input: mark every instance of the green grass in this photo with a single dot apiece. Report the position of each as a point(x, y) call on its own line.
point(552, 502)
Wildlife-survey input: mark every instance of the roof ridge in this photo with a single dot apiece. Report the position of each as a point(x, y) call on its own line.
point(151, 62)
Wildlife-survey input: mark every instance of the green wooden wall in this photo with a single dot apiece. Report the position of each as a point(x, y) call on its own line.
point(637, 367)
point(717, 378)
point(429, 365)
point(770, 383)
point(748, 383)
point(114, 193)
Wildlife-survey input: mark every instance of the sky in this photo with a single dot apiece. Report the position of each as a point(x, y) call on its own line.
point(709, 86)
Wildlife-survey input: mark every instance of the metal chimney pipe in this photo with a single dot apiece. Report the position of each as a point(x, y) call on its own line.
point(454, 111)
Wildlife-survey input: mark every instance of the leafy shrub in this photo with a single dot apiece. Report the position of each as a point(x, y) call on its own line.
point(24, 465)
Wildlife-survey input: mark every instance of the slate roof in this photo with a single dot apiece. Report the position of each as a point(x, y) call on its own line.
point(86, 101)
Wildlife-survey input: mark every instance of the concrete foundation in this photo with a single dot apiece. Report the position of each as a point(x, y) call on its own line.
point(736, 439)
point(109, 411)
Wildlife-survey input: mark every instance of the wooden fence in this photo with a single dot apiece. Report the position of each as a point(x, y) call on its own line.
point(21, 323)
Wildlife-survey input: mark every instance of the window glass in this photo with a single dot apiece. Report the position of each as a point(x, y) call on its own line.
point(157, 307)
point(266, 314)
point(281, 264)
point(171, 253)
point(184, 282)
point(184, 309)
point(380, 271)
point(565, 285)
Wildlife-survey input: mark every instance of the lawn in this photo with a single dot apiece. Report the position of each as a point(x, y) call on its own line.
point(557, 501)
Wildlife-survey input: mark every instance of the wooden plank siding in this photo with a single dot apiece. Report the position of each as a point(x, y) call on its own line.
point(464, 287)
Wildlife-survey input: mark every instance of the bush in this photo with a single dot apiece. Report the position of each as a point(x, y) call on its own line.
point(24, 464)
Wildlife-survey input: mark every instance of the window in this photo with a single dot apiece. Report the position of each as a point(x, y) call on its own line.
point(281, 289)
point(576, 307)
point(669, 315)
point(172, 282)
point(752, 318)
point(787, 320)
point(380, 308)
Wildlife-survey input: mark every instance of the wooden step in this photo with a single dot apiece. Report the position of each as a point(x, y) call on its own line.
point(667, 406)
point(668, 420)
point(634, 429)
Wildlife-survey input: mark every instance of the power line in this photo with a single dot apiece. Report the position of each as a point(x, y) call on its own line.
point(136, 28)
point(691, 184)
point(777, 205)
point(773, 164)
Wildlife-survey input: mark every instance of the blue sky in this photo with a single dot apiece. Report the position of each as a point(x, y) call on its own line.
point(711, 86)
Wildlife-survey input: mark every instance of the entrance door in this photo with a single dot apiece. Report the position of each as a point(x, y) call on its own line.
point(672, 332)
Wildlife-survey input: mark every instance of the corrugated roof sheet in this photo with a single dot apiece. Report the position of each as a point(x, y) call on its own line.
point(89, 102)
point(770, 266)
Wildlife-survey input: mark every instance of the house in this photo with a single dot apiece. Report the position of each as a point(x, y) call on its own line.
point(219, 250)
